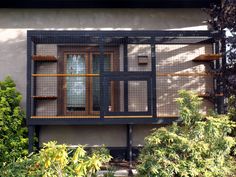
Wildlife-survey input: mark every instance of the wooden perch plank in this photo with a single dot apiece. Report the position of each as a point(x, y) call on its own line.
point(48, 58)
point(65, 75)
point(207, 57)
point(207, 95)
point(63, 117)
point(144, 116)
point(186, 74)
point(45, 97)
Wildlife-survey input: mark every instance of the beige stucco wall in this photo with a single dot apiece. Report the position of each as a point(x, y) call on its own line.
point(112, 135)
point(14, 24)
point(178, 59)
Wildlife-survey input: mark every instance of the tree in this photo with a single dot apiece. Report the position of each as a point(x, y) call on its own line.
point(222, 19)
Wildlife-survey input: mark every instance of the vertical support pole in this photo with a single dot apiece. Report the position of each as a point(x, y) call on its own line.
point(129, 146)
point(30, 102)
point(154, 97)
point(223, 69)
point(34, 69)
point(126, 96)
point(28, 76)
point(37, 133)
point(102, 80)
point(218, 84)
point(31, 131)
point(34, 66)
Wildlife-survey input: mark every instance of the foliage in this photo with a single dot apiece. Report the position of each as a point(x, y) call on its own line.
point(222, 18)
point(196, 147)
point(58, 161)
point(13, 141)
point(189, 107)
point(232, 107)
point(232, 110)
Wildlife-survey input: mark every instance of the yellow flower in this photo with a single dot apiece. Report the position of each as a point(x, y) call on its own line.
point(47, 164)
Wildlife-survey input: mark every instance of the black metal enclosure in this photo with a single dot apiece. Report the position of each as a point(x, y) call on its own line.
point(118, 78)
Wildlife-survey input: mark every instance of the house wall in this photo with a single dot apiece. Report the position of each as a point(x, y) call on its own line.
point(14, 24)
point(178, 59)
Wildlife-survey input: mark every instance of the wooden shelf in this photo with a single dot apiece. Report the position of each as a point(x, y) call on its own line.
point(65, 75)
point(208, 95)
point(144, 116)
point(47, 58)
point(167, 116)
point(64, 117)
point(45, 97)
point(207, 57)
point(107, 117)
point(187, 74)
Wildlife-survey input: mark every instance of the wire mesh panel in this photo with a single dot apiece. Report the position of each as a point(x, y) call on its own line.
point(115, 99)
point(176, 71)
point(133, 102)
point(138, 96)
point(168, 87)
point(66, 78)
point(79, 74)
point(139, 57)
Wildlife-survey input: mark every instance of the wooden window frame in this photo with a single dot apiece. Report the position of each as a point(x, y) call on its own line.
point(88, 51)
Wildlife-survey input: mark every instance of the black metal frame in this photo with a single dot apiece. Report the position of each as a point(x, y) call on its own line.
point(123, 37)
point(128, 76)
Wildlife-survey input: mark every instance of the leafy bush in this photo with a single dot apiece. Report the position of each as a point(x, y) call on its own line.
point(13, 141)
point(199, 146)
point(232, 107)
point(58, 161)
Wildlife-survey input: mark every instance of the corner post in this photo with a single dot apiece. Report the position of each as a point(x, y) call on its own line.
point(102, 79)
point(129, 147)
point(153, 83)
point(219, 104)
point(30, 103)
point(31, 131)
point(126, 96)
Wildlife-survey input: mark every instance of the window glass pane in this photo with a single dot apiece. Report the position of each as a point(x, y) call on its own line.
point(76, 86)
point(96, 80)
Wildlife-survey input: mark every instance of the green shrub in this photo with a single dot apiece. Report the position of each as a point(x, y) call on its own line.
point(13, 133)
point(58, 161)
point(232, 107)
point(197, 147)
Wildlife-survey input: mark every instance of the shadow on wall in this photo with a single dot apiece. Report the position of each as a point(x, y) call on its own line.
point(171, 58)
point(178, 59)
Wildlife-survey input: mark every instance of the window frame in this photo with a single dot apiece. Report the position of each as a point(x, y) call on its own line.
point(64, 50)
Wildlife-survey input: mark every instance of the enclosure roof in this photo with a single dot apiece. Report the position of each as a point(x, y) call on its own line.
point(107, 3)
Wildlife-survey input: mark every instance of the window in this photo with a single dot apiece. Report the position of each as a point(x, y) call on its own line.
point(81, 88)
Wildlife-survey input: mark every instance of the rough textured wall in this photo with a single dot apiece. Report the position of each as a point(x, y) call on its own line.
point(14, 24)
